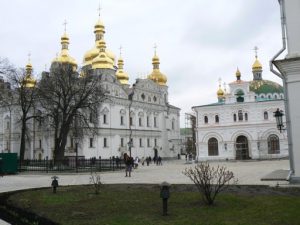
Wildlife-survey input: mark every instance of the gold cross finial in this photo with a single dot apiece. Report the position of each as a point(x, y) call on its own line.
point(99, 9)
point(255, 50)
point(120, 50)
point(220, 81)
point(65, 25)
point(29, 55)
point(155, 48)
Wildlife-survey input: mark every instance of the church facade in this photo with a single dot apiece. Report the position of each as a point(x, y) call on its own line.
point(241, 124)
point(138, 116)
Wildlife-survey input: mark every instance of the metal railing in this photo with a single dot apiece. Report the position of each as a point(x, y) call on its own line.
point(71, 165)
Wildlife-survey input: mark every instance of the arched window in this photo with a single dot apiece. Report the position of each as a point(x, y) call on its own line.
point(240, 115)
point(266, 116)
point(246, 116)
point(213, 147)
point(273, 144)
point(234, 117)
point(217, 119)
point(205, 119)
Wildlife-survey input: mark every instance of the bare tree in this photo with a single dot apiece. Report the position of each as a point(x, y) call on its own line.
point(69, 100)
point(95, 180)
point(19, 93)
point(210, 181)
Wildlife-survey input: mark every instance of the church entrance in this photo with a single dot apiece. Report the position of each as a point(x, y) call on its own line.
point(242, 148)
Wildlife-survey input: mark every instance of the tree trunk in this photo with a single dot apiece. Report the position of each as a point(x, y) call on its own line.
point(23, 141)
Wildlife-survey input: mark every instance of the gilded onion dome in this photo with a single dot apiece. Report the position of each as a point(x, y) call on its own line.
point(238, 74)
point(64, 56)
point(29, 81)
point(120, 74)
point(256, 65)
point(156, 75)
point(102, 61)
point(220, 92)
point(99, 30)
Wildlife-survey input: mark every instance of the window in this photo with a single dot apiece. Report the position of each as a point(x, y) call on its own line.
point(91, 142)
point(40, 143)
point(122, 120)
point(205, 119)
point(104, 119)
point(140, 121)
point(266, 116)
point(273, 144)
point(131, 141)
point(105, 142)
point(71, 142)
point(234, 117)
point(217, 119)
point(122, 142)
point(173, 125)
point(148, 121)
point(148, 142)
point(130, 121)
point(240, 115)
point(7, 125)
point(246, 116)
point(213, 147)
point(155, 125)
point(155, 142)
point(91, 117)
point(141, 142)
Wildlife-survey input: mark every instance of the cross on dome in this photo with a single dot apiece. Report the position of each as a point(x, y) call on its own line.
point(255, 50)
point(155, 48)
point(120, 48)
point(99, 9)
point(65, 25)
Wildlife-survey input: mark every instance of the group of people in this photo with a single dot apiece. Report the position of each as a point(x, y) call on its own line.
point(131, 163)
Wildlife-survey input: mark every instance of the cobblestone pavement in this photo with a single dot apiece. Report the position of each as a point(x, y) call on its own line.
point(247, 172)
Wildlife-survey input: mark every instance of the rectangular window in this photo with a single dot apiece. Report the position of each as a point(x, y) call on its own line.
point(122, 120)
point(91, 117)
point(148, 142)
point(155, 142)
point(155, 125)
point(104, 142)
point(122, 142)
point(104, 119)
point(148, 123)
point(141, 142)
point(7, 125)
point(40, 143)
point(131, 140)
point(173, 125)
point(140, 121)
point(130, 121)
point(91, 142)
point(72, 142)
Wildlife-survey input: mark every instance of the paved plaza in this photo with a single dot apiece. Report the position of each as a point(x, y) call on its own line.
point(247, 172)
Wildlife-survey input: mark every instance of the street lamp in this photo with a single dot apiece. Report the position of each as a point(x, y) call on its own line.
point(278, 114)
point(76, 140)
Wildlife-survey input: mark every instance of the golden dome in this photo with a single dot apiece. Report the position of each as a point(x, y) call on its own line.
point(220, 92)
point(99, 30)
point(256, 65)
point(102, 61)
point(29, 81)
point(64, 56)
point(120, 74)
point(238, 73)
point(156, 75)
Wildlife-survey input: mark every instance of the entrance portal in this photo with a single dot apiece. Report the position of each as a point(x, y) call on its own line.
point(241, 147)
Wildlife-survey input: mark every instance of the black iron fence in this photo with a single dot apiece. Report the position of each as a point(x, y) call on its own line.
point(71, 165)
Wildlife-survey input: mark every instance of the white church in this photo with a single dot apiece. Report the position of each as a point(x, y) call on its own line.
point(241, 125)
point(140, 112)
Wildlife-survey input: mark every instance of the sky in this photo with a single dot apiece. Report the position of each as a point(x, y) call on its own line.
point(198, 41)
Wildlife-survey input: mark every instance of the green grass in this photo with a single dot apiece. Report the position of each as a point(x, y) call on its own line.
point(141, 205)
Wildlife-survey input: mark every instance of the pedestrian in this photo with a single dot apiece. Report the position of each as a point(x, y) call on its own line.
point(148, 160)
point(128, 164)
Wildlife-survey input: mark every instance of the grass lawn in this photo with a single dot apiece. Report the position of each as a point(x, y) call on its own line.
point(141, 205)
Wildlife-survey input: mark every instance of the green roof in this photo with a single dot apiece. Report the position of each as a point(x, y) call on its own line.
point(265, 87)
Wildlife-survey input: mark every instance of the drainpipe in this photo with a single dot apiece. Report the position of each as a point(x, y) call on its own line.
point(286, 100)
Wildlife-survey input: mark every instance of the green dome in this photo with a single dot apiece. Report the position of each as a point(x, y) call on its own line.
point(265, 87)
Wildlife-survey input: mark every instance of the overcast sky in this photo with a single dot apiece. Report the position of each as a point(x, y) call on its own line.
point(198, 41)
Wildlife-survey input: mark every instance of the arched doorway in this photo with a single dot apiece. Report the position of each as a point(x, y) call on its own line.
point(155, 152)
point(242, 148)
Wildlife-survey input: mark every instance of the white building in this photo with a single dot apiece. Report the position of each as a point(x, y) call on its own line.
point(241, 124)
point(140, 111)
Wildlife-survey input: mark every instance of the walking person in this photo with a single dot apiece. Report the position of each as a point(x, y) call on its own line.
point(128, 165)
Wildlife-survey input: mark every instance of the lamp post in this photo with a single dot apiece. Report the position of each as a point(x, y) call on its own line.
point(76, 139)
point(278, 114)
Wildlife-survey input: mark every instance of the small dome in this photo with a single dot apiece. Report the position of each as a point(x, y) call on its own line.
point(256, 65)
point(102, 61)
point(220, 92)
point(120, 74)
point(238, 73)
point(156, 75)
